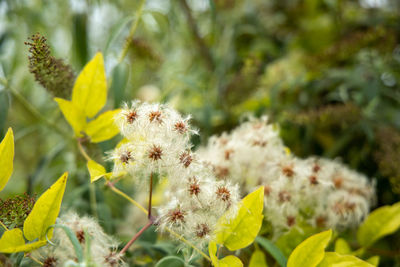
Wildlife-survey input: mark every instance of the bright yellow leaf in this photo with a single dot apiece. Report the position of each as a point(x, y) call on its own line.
point(13, 241)
point(258, 259)
point(311, 251)
point(45, 211)
point(241, 231)
point(6, 158)
point(379, 223)
point(90, 88)
point(96, 171)
point(229, 261)
point(103, 127)
point(333, 259)
point(73, 114)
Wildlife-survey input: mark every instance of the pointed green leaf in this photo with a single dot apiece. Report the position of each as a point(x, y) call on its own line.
point(6, 158)
point(103, 127)
point(333, 259)
point(73, 114)
point(258, 259)
point(13, 241)
point(374, 260)
point(90, 89)
point(381, 222)
point(311, 251)
point(229, 261)
point(96, 171)
point(45, 211)
point(241, 231)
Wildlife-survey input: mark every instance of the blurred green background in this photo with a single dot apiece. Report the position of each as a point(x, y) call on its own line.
point(328, 71)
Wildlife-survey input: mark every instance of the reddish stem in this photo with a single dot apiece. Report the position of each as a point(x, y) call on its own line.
point(136, 236)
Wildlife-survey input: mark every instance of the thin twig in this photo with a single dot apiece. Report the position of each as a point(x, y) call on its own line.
point(3, 225)
point(181, 238)
point(119, 192)
point(150, 195)
point(132, 31)
point(35, 260)
point(136, 236)
point(203, 49)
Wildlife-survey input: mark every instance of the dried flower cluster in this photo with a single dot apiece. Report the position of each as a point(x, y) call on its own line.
point(158, 142)
point(101, 247)
point(321, 192)
point(52, 73)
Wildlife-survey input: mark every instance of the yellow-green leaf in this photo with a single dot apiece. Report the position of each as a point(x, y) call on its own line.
point(73, 114)
point(342, 247)
point(103, 127)
point(380, 222)
point(241, 231)
point(333, 259)
point(6, 158)
point(374, 260)
point(90, 88)
point(96, 171)
point(311, 251)
point(258, 259)
point(45, 211)
point(229, 261)
point(13, 241)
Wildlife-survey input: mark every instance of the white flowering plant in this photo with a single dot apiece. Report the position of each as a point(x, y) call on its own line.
point(243, 198)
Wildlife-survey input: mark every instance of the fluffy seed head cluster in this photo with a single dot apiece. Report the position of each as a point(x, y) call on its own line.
point(102, 248)
point(321, 192)
point(158, 142)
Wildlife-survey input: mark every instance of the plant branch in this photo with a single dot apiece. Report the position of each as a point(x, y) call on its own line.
point(150, 195)
point(136, 236)
point(201, 46)
point(132, 31)
point(152, 219)
point(3, 225)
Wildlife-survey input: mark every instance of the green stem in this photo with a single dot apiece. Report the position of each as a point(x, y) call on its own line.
point(4, 226)
point(132, 31)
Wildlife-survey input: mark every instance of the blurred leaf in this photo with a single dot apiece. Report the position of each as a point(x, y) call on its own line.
point(74, 116)
point(4, 105)
point(239, 232)
point(6, 158)
point(311, 251)
point(120, 76)
point(333, 259)
point(381, 222)
point(374, 260)
point(90, 90)
point(171, 261)
point(45, 211)
point(258, 259)
point(342, 247)
point(272, 250)
point(103, 127)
